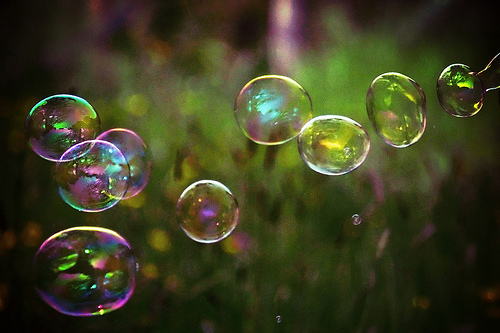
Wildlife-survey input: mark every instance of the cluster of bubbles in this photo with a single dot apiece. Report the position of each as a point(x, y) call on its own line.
point(461, 90)
point(274, 109)
point(86, 271)
point(94, 170)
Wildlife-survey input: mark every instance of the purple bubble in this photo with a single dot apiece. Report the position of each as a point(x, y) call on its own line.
point(92, 176)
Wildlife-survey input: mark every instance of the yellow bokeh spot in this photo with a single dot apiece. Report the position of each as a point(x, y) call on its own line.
point(31, 234)
point(137, 105)
point(150, 271)
point(421, 302)
point(159, 240)
point(8, 239)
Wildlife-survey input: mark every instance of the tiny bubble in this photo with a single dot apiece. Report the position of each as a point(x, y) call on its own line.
point(356, 219)
point(278, 319)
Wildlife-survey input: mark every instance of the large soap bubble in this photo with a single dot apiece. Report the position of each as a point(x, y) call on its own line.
point(58, 122)
point(85, 271)
point(207, 211)
point(397, 109)
point(92, 176)
point(272, 109)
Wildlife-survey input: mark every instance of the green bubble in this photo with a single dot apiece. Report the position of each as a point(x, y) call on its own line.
point(58, 122)
point(460, 91)
point(397, 110)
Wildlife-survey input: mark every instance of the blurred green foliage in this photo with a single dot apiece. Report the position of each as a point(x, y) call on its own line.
point(426, 254)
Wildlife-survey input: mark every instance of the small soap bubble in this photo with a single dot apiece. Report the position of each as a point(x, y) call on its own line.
point(460, 91)
point(137, 154)
point(58, 122)
point(207, 211)
point(356, 219)
point(92, 176)
point(85, 271)
point(272, 109)
point(278, 319)
point(333, 145)
point(397, 110)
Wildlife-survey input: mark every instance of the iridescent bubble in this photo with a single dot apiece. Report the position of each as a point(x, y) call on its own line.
point(397, 110)
point(333, 145)
point(85, 271)
point(460, 91)
point(272, 109)
point(92, 176)
point(137, 154)
point(58, 122)
point(207, 211)
point(356, 219)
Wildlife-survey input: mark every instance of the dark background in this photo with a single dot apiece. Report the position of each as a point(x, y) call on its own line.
point(425, 257)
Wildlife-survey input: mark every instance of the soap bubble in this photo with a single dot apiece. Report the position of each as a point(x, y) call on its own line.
point(460, 91)
point(333, 145)
point(85, 271)
point(207, 211)
point(356, 219)
point(58, 122)
point(137, 154)
point(397, 110)
point(92, 176)
point(278, 319)
point(272, 109)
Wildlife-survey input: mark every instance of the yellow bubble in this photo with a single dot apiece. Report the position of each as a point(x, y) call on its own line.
point(333, 145)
